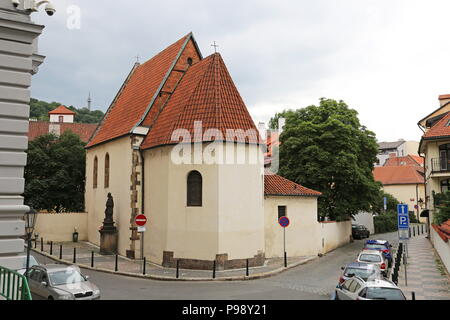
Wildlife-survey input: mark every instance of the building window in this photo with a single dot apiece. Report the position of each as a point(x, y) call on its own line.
point(189, 61)
point(107, 171)
point(95, 172)
point(445, 185)
point(281, 212)
point(61, 118)
point(194, 189)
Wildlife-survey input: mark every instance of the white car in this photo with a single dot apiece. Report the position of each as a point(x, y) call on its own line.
point(373, 257)
point(357, 289)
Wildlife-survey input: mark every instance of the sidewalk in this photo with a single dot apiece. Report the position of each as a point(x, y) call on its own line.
point(135, 267)
point(423, 273)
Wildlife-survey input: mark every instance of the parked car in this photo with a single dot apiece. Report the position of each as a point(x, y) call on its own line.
point(365, 271)
point(61, 282)
point(357, 289)
point(373, 257)
point(33, 262)
point(383, 246)
point(360, 231)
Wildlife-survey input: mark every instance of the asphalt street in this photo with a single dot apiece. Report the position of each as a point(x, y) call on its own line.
point(315, 280)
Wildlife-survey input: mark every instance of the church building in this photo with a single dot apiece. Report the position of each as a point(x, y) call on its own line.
point(178, 145)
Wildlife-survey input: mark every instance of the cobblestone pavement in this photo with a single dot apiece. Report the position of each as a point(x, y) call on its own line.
point(425, 274)
point(84, 251)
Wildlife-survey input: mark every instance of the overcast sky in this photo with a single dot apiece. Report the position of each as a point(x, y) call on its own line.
point(388, 59)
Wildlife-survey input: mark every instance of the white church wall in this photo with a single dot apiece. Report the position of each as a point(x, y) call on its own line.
point(241, 205)
point(303, 236)
point(119, 185)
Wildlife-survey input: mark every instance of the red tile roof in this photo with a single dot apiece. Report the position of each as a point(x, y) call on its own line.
point(61, 110)
point(83, 130)
point(443, 230)
point(440, 129)
point(392, 175)
point(409, 160)
point(444, 96)
point(275, 185)
point(207, 94)
point(133, 100)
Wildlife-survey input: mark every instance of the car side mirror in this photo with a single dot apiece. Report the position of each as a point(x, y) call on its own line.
point(44, 283)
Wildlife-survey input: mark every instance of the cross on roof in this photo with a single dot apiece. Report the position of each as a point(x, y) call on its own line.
point(137, 58)
point(215, 47)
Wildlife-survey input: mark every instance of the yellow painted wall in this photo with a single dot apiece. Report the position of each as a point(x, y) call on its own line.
point(60, 226)
point(303, 236)
point(119, 185)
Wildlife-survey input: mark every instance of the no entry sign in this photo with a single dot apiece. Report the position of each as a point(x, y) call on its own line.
point(284, 222)
point(141, 220)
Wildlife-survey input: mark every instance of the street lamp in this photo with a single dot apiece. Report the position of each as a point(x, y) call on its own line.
point(30, 222)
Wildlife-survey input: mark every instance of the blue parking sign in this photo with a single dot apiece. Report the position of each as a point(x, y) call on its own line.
point(402, 209)
point(403, 221)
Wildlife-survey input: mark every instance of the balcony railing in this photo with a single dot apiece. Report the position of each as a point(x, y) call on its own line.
point(440, 165)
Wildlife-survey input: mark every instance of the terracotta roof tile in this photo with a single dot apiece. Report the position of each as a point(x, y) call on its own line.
point(83, 130)
point(207, 94)
point(440, 129)
point(409, 160)
point(62, 110)
point(137, 93)
point(275, 185)
point(399, 175)
point(443, 230)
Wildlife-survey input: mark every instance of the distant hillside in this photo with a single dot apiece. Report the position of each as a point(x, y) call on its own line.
point(39, 110)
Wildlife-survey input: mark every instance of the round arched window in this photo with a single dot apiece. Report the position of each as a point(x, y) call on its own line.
point(194, 189)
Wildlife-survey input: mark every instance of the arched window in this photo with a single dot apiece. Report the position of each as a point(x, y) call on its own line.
point(107, 171)
point(95, 172)
point(194, 189)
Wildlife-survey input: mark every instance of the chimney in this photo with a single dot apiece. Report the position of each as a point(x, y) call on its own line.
point(444, 99)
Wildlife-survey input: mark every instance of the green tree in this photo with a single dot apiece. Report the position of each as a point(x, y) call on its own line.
point(391, 202)
point(326, 148)
point(442, 204)
point(55, 173)
point(39, 110)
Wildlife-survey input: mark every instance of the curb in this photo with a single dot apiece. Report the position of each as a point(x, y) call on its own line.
point(163, 278)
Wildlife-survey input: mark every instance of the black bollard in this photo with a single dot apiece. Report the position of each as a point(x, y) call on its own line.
point(42, 244)
point(116, 268)
point(92, 259)
point(74, 255)
point(214, 269)
point(35, 242)
point(247, 273)
point(285, 260)
point(409, 230)
point(414, 231)
point(143, 267)
point(60, 252)
point(413, 294)
point(51, 248)
point(178, 268)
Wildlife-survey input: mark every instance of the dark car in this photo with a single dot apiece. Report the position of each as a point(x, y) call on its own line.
point(360, 231)
point(381, 245)
point(365, 271)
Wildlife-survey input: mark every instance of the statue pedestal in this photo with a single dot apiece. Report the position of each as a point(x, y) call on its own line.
point(109, 241)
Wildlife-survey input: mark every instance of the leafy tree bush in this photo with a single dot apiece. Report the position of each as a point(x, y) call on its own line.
point(39, 110)
point(55, 173)
point(326, 148)
point(442, 204)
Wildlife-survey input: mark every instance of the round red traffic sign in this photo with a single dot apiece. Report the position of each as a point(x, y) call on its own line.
point(284, 222)
point(141, 220)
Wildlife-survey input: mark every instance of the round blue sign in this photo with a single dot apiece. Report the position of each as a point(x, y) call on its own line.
point(284, 222)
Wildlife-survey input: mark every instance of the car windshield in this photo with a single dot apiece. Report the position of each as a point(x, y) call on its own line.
point(33, 262)
point(66, 277)
point(363, 273)
point(375, 246)
point(369, 258)
point(384, 294)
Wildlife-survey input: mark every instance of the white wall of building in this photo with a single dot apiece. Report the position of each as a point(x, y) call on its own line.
point(66, 118)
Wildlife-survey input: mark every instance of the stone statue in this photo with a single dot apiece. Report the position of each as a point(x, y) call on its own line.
point(109, 210)
point(108, 232)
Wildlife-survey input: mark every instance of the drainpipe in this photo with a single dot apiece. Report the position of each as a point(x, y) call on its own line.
point(141, 153)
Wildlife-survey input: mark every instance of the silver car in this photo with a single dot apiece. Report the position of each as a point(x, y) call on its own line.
point(357, 289)
point(60, 282)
